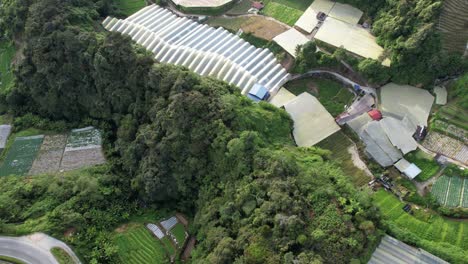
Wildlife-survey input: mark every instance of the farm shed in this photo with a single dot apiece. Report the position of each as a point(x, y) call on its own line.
point(308, 20)
point(312, 122)
point(391, 250)
point(282, 97)
point(5, 131)
point(201, 3)
point(290, 39)
point(441, 95)
point(258, 93)
point(406, 101)
point(400, 136)
point(156, 230)
point(205, 50)
point(359, 123)
point(378, 146)
point(346, 13)
point(351, 37)
point(408, 169)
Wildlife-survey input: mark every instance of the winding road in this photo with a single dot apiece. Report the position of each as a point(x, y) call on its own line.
point(33, 249)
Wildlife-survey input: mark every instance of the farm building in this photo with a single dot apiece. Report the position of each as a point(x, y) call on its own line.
point(282, 97)
point(400, 135)
point(408, 169)
point(351, 37)
point(441, 95)
point(378, 146)
point(312, 122)
point(391, 250)
point(289, 40)
point(5, 131)
point(203, 49)
point(410, 104)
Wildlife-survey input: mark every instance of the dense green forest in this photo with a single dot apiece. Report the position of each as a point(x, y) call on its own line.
point(407, 30)
point(173, 140)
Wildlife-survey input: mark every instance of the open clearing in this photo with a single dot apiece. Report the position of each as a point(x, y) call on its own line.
point(425, 225)
point(137, 245)
point(338, 144)
point(286, 11)
point(7, 51)
point(451, 191)
point(332, 95)
point(21, 155)
point(257, 25)
point(129, 7)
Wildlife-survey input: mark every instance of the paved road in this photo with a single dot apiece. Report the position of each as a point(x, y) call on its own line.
point(21, 249)
point(33, 249)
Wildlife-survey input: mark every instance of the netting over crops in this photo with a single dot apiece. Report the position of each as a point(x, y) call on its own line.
point(83, 149)
point(21, 155)
point(50, 155)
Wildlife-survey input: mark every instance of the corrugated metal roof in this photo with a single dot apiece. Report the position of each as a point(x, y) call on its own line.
point(398, 134)
point(441, 95)
point(289, 40)
point(392, 250)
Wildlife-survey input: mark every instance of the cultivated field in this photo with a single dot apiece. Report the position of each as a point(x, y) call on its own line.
point(257, 25)
point(83, 149)
point(50, 155)
point(428, 226)
point(451, 191)
point(332, 95)
point(21, 155)
point(137, 245)
point(448, 146)
point(453, 24)
point(338, 144)
point(429, 167)
point(129, 7)
point(179, 232)
point(7, 51)
point(286, 11)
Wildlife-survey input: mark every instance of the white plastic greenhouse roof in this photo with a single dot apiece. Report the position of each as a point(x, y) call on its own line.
point(201, 3)
point(289, 40)
point(203, 49)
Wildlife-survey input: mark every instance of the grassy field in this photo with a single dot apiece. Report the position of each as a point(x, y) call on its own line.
point(61, 256)
point(7, 51)
point(331, 94)
point(129, 7)
point(286, 11)
point(20, 155)
point(429, 167)
point(137, 245)
point(338, 144)
point(179, 232)
point(427, 226)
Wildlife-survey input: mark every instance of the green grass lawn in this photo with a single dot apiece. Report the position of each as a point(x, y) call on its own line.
point(61, 256)
point(338, 144)
point(286, 11)
point(436, 232)
point(179, 232)
point(333, 95)
point(169, 246)
point(429, 167)
point(137, 245)
point(7, 51)
point(129, 7)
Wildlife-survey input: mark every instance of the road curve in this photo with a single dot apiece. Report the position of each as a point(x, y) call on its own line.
point(25, 251)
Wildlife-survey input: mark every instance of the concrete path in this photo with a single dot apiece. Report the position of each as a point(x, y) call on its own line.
point(33, 249)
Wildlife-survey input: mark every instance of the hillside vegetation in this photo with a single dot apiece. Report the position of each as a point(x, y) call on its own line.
point(453, 25)
point(173, 140)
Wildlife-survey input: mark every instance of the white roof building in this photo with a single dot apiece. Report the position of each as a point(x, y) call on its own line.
point(408, 169)
point(441, 95)
point(282, 97)
point(205, 50)
point(289, 40)
point(312, 122)
point(5, 131)
point(399, 135)
point(201, 3)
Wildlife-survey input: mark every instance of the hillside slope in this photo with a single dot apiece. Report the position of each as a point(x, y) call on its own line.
point(453, 24)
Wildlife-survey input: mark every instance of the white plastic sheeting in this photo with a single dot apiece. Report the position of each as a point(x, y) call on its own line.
point(399, 135)
point(203, 49)
point(312, 122)
point(201, 3)
point(156, 230)
point(169, 223)
point(289, 40)
point(408, 169)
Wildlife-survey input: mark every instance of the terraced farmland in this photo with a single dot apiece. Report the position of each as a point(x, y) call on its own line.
point(21, 155)
point(434, 230)
point(7, 51)
point(137, 245)
point(453, 24)
point(451, 191)
point(338, 144)
point(286, 11)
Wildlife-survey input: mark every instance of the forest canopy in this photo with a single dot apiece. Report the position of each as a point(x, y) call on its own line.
point(173, 140)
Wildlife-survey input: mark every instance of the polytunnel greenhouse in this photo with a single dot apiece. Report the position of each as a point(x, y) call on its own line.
point(203, 49)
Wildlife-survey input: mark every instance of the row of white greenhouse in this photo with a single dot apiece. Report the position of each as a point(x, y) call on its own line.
point(203, 49)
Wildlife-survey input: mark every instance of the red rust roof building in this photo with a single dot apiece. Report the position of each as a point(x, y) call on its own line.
point(258, 5)
point(375, 114)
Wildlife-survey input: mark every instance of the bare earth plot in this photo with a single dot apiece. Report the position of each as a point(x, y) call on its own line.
point(83, 149)
point(448, 146)
point(50, 155)
point(259, 26)
point(21, 155)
